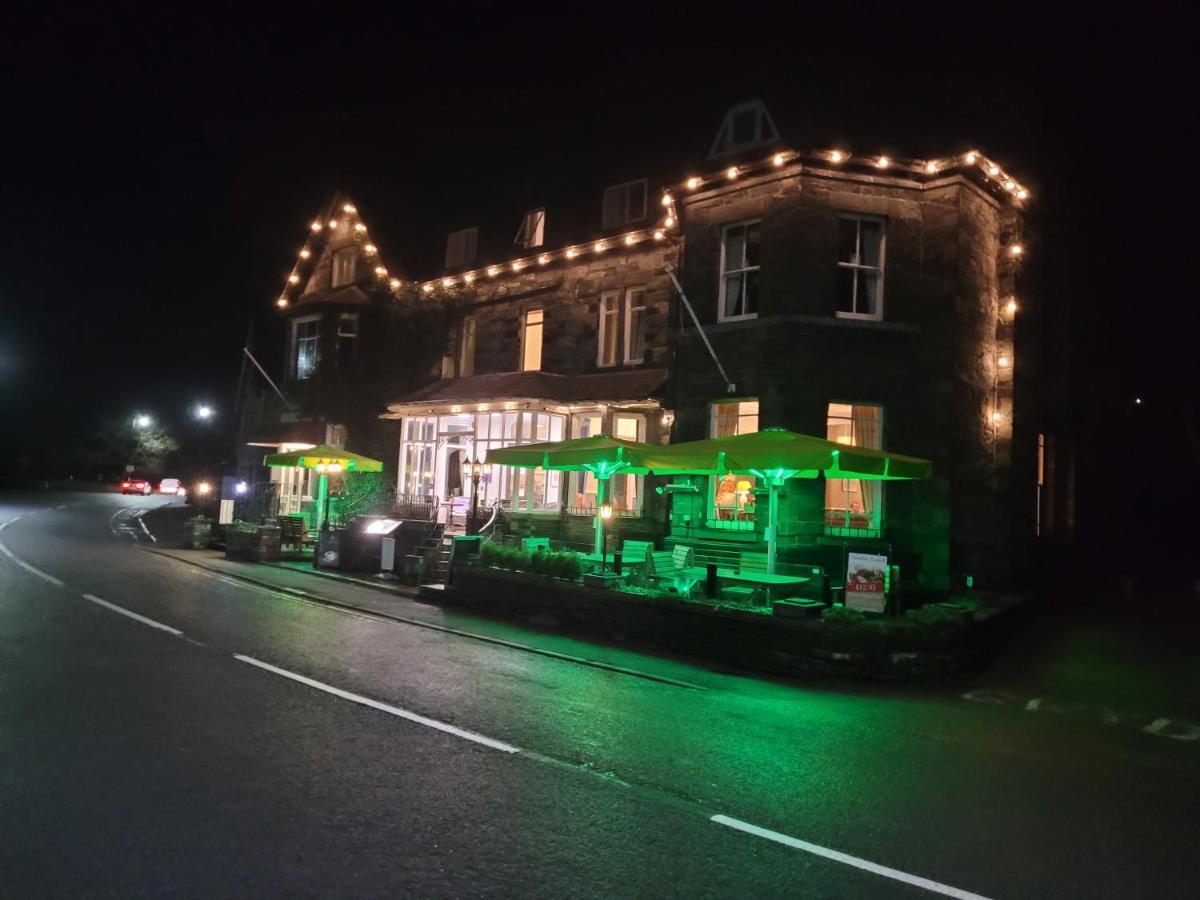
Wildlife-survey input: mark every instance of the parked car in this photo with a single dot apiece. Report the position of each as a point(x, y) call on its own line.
point(136, 486)
point(170, 486)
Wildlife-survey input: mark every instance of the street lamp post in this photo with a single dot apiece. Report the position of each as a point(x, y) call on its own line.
point(473, 471)
point(606, 511)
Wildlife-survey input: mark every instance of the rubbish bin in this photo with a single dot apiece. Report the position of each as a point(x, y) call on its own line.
point(463, 547)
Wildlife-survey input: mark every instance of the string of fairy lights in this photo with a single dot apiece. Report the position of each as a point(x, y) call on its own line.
point(666, 228)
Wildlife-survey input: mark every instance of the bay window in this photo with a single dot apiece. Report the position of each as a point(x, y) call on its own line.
point(306, 339)
point(733, 500)
point(853, 507)
point(739, 272)
point(860, 267)
point(531, 339)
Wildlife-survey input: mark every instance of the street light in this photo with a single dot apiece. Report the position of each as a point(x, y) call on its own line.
point(473, 471)
point(141, 420)
point(204, 412)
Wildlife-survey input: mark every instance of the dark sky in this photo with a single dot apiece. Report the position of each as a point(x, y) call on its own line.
point(160, 165)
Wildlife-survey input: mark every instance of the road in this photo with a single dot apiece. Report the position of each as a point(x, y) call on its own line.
point(168, 731)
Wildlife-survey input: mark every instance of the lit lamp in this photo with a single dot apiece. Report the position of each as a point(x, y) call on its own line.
point(473, 471)
point(606, 512)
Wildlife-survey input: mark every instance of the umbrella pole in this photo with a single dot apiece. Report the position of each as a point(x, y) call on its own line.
point(599, 522)
point(322, 499)
point(772, 526)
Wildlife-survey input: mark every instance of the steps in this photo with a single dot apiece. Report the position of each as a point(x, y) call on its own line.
point(435, 550)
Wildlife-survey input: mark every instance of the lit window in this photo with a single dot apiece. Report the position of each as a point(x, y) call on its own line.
point(739, 271)
point(347, 337)
point(860, 267)
point(624, 203)
point(466, 357)
point(635, 325)
point(307, 338)
point(626, 490)
point(532, 232)
point(343, 266)
point(461, 247)
point(733, 500)
point(531, 340)
point(853, 506)
point(610, 311)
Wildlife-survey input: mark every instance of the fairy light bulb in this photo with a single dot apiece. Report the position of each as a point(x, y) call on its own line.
point(293, 278)
point(598, 246)
point(572, 253)
point(543, 258)
point(493, 271)
point(971, 158)
point(993, 169)
point(516, 266)
point(1016, 250)
point(630, 239)
point(931, 168)
point(732, 173)
point(333, 223)
point(1022, 194)
point(659, 234)
point(666, 200)
point(669, 221)
point(360, 227)
point(836, 156)
point(305, 253)
point(469, 277)
point(316, 226)
point(1010, 185)
point(777, 160)
point(394, 283)
point(1011, 307)
point(380, 271)
point(427, 287)
point(370, 249)
point(1002, 362)
point(882, 163)
point(997, 417)
point(447, 282)
point(349, 208)
point(281, 302)
point(693, 183)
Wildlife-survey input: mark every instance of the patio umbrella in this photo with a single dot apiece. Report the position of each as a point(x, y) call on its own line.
point(324, 459)
point(775, 455)
point(601, 455)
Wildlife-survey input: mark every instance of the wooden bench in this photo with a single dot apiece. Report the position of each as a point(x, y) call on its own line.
point(534, 544)
point(293, 531)
point(635, 552)
point(663, 566)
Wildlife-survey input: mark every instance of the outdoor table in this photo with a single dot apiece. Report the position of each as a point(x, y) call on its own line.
point(765, 579)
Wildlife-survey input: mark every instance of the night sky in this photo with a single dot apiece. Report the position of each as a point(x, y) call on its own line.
point(160, 167)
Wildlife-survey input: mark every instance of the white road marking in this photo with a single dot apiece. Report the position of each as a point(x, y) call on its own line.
point(147, 530)
point(866, 865)
point(126, 612)
point(28, 568)
point(382, 707)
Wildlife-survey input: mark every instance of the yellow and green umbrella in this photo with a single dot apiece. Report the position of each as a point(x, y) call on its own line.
point(325, 460)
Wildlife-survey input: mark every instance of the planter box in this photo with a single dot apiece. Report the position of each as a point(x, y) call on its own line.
point(197, 533)
point(252, 543)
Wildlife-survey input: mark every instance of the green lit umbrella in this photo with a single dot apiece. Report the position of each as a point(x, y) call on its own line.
point(775, 455)
point(601, 455)
point(325, 460)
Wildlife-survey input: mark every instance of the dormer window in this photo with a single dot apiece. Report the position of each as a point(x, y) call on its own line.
point(462, 247)
point(343, 266)
point(624, 203)
point(746, 126)
point(532, 232)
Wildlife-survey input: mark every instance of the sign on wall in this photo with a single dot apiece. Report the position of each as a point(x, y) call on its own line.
point(866, 577)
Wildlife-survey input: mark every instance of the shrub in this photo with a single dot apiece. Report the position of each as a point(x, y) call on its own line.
point(843, 615)
point(933, 617)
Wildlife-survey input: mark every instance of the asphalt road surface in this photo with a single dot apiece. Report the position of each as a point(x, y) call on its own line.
point(167, 731)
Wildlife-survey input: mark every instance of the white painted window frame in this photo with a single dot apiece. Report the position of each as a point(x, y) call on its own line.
point(858, 267)
point(603, 329)
point(628, 308)
point(524, 328)
point(725, 229)
point(294, 356)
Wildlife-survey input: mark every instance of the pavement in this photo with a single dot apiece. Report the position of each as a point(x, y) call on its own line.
point(173, 729)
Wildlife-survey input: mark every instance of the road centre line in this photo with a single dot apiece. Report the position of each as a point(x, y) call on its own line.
point(382, 707)
point(28, 568)
point(845, 858)
point(126, 612)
